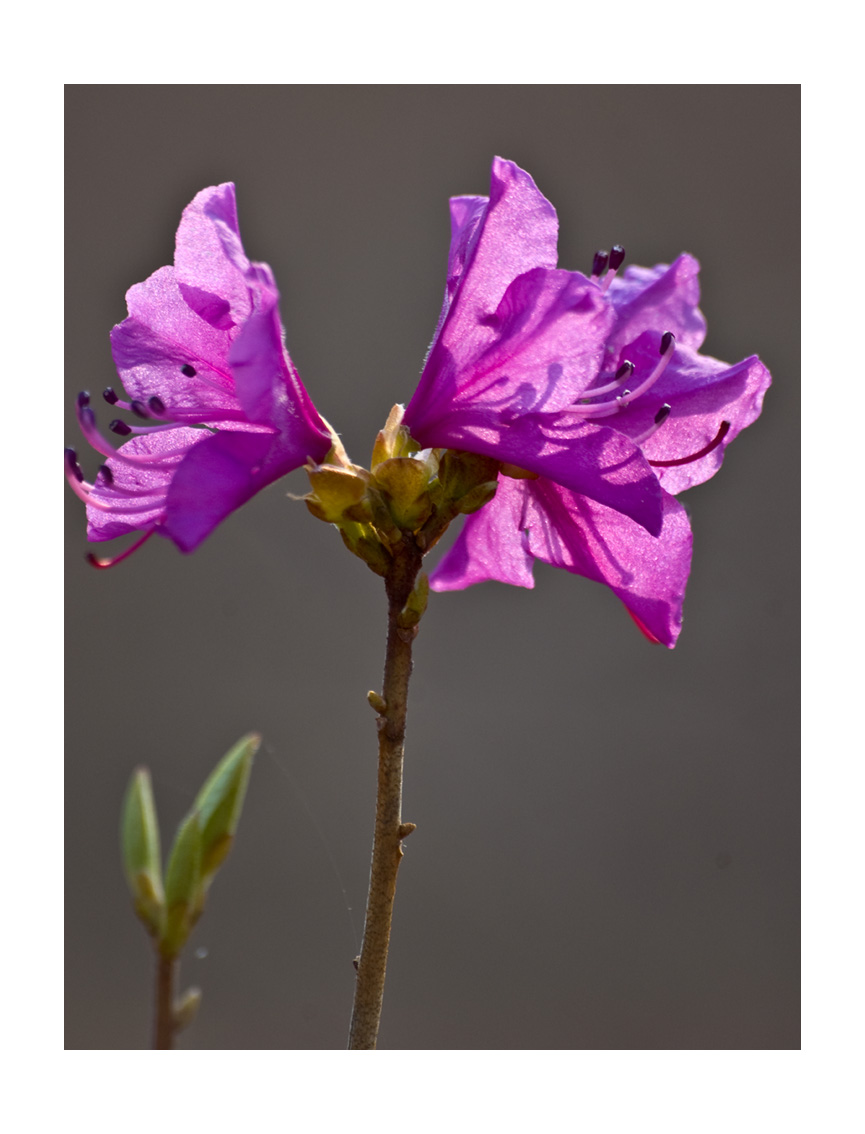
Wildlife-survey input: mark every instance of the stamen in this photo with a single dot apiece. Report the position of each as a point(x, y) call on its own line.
point(622, 374)
point(604, 409)
point(87, 421)
point(156, 405)
point(109, 395)
point(617, 255)
point(139, 409)
point(83, 399)
point(599, 264)
point(72, 465)
point(188, 370)
point(660, 417)
point(101, 564)
point(119, 427)
point(713, 444)
point(107, 474)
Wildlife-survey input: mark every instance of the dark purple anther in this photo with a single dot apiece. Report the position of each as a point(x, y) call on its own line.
point(139, 409)
point(599, 264)
point(188, 370)
point(156, 404)
point(72, 463)
point(662, 414)
point(106, 474)
point(109, 395)
point(667, 341)
point(120, 428)
point(624, 371)
point(83, 399)
point(617, 255)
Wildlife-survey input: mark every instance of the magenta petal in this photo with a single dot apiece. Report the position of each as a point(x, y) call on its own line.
point(491, 545)
point(703, 393)
point(162, 336)
point(211, 265)
point(590, 459)
point(648, 574)
point(663, 298)
point(221, 473)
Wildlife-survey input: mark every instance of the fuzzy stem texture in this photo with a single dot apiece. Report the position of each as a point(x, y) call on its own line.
point(389, 827)
point(165, 1024)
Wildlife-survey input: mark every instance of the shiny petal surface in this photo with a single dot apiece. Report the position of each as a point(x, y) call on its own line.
point(590, 459)
point(541, 347)
point(538, 519)
point(663, 298)
point(702, 392)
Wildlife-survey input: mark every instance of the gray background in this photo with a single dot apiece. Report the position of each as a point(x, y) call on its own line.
point(607, 844)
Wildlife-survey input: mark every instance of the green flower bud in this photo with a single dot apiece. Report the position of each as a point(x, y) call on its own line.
point(404, 483)
point(338, 493)
point(394, 440)
point(139, 835)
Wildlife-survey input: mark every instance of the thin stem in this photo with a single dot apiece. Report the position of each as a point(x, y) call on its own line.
point(389, 827)
point(165, 1024)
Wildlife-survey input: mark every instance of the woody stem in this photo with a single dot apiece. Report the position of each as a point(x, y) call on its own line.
point(165, 1024)
point(389, 827)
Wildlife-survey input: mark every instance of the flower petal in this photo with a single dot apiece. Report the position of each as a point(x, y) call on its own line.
point(163, 339)
point(491, 545)
point(517, 231)
point(663, 298)
point(648, 574)
point(590, 459)
point(222, 472)
point(213, 270)
point(540, 349)
point(702, 392)
point(539, 519)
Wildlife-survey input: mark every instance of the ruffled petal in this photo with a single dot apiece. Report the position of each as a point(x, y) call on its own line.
point(663, 298)
point(491, 546)
point(162, 341)
point(590, 459)
point(134, 497)
point(703, 392)
point(648, 574)
point(515, 232)
point(540, 349)
point(537, 519)
point(214, 273)
point(219, 474)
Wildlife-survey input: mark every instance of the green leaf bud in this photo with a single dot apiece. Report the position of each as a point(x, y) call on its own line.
point(413, 611)
point(183, 890)
point(220, 802)
point(186, 1008)
point(139, 836)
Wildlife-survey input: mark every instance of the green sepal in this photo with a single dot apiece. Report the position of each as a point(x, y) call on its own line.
point(139, 837)
point(474, 500)
point(183, 889)
point(220, 802)
point(404, 482)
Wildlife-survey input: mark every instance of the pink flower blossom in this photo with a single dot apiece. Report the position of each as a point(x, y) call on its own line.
point(221, 410)
point(592, 393)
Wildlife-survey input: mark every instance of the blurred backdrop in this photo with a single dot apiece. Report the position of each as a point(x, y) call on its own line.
point(607, 846)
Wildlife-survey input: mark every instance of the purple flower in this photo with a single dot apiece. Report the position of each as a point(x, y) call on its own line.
point(590, 391)
point(222, 412)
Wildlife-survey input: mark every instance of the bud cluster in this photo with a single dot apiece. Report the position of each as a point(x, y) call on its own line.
point(407, 494)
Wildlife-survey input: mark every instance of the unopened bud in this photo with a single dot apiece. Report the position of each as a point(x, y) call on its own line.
point(140, 844)
point(394, 440)
point(186, 1008)
point(404, 483)
point(336, 492)
point(220, 802)
point(182, 886)
point(413, 611)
